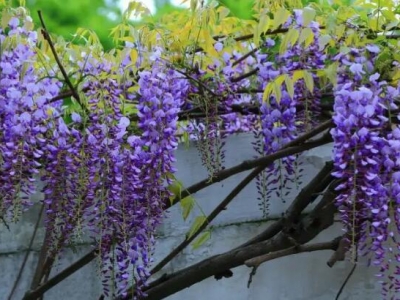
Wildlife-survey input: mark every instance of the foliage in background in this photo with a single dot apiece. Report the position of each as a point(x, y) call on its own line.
point(65, 17)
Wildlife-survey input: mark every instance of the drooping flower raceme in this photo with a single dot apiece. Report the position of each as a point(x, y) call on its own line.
point(366, 161)
point(24, 117)
point(283, 119)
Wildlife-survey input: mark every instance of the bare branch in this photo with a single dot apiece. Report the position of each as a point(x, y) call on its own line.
point(21, 269)
point(186, 277)
point(346, 281)
point(256, 261)
point(340, 252)
point(34, 294)
point(245, 75)
point(209, 219)
point(288, 149)
point(308, 194)
point(47, 37)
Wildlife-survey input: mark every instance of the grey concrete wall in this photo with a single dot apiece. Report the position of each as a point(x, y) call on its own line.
point(304, 276)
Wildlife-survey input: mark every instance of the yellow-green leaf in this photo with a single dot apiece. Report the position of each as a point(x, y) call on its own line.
point(308, 15)
point(331, 72)
point(201, 240)
point(306, 36)
point(289, 86)
point(291, 37)
point(256, 36)
point(198, 222)
point(323, 40)
point(280, 17)
point(264, 23)
point(267, 91)
point(392, 24)
point(309, 80)
point(176, 189)
point(187, 205)
point(273, 86)
point(340, 29)
point(298, 74)
point(277, 91)
point(133, 55)
point(389, 15)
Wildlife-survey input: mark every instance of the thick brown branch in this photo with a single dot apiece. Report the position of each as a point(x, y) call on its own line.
point(307, 195)
point(196, 273)
point(298, 205)
point(256, 261)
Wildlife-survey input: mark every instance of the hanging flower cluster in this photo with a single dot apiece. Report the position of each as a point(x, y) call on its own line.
point(282, 120)
point(96, 176)
point(26, 115)
point(366, 153)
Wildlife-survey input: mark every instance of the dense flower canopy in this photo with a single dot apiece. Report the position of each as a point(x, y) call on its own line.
point(106, 153)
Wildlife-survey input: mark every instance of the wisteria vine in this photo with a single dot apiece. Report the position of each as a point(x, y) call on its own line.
point(108, 172)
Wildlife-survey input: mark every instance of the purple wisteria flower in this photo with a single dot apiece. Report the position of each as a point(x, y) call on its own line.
point(366, 160)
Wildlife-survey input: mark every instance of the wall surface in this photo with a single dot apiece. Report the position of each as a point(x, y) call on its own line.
point(299, 277)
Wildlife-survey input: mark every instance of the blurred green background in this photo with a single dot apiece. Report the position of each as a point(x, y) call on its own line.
point(64, 17)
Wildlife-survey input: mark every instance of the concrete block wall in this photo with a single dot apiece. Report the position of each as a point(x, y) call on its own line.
point(298, 277)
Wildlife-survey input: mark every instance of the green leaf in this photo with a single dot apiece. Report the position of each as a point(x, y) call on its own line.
point(323, 41)
point(175, 188)
point(309, 80)
point(331, 73)
point(198, 222)
point(280, 17)
point(392, 24)
point(308, 15)
point(293, 35)
point(290, 38)
point(202, 239)
point(267, 92)
point(306, 37)
point(277, 91)
point(297, 75)
point(187, 205)
point(289, 86)
point(274, 86)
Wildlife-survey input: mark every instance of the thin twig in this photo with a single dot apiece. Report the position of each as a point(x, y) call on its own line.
point(34, 294)
point(251, 275)
point(47, 37)
point(238, 61)
point(196, 81)
point(64, 95)
point(5, 223)
point(245, 75)
point(209, 218)
point(21, 269)
point(346, 281)
point(256, 261)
